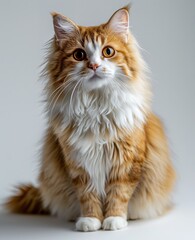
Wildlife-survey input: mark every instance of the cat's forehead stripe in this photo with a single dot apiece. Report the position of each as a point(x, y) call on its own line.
point(92, 47)
point(93, 37)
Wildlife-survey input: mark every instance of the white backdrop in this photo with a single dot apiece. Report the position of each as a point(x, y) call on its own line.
point(165, 29)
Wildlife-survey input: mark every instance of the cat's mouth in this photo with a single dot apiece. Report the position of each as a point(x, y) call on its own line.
point(95, 77)
point(95, 81)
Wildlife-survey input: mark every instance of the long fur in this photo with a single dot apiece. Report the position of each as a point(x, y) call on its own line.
point(105, 157)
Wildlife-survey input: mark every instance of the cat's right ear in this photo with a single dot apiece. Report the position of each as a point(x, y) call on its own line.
point(64, 28)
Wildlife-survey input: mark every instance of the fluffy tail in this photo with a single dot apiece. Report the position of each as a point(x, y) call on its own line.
point(27, 200)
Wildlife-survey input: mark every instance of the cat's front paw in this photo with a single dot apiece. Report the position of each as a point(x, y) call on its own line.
point(114, 223)
point(88, 224)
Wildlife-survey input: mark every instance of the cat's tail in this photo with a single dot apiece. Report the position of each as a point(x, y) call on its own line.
point(26, 200)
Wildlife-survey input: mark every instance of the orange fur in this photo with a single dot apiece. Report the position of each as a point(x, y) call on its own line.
point(141, 176)
point(27, 200)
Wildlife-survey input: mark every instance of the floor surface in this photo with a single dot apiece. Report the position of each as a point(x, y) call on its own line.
point(178, 224)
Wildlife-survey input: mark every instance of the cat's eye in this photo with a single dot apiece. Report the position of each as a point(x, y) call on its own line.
point(79, 54)
point(108, 52)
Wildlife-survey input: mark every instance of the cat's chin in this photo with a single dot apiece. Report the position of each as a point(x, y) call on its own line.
point(95, 82)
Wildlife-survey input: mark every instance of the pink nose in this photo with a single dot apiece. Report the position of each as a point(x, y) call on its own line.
point(93, 66)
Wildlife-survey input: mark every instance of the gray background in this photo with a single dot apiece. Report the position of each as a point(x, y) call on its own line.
point(166, 32)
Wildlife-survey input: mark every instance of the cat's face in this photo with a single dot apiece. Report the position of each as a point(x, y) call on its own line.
point(94, 57)
point(93, 61)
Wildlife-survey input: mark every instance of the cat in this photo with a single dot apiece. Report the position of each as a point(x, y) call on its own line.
point(105, 157)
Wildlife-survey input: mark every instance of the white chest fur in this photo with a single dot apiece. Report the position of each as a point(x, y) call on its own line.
point(96, 159)
point(94, 115)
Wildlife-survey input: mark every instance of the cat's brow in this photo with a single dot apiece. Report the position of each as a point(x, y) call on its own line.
point(93, 37)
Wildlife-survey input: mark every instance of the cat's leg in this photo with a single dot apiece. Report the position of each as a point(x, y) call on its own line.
point(119, 191)
point(90, 203)
point(118, 195)
point(91, 214)
point(124, 177)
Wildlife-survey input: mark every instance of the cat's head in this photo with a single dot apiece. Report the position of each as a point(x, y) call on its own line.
point(94, 57)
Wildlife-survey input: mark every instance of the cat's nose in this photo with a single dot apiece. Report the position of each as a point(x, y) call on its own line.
point(93, 66)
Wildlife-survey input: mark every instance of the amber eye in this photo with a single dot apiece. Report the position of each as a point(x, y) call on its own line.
point(79, 54)
point(108, 52)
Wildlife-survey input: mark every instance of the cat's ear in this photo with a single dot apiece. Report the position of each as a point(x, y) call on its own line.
point(119, 22)
point(64, 28)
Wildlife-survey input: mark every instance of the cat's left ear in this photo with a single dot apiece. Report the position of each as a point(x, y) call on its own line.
point(119, 23)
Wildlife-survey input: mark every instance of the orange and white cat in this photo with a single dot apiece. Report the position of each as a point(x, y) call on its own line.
point(105, 157)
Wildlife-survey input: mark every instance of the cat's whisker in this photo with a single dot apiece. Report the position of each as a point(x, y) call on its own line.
point(57, 92)
point(120, 84)
point(50, 96)
point(125, 76)
point(65, 84)
point(54, 104)
point(53, 99)
point(70, 103)
point(64, 80)
point(64, 88)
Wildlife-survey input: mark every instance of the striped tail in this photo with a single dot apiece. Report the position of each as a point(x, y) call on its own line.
point(26, 200)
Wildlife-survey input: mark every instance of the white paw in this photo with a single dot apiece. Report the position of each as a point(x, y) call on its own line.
point(114, 223)
point(88, 224)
